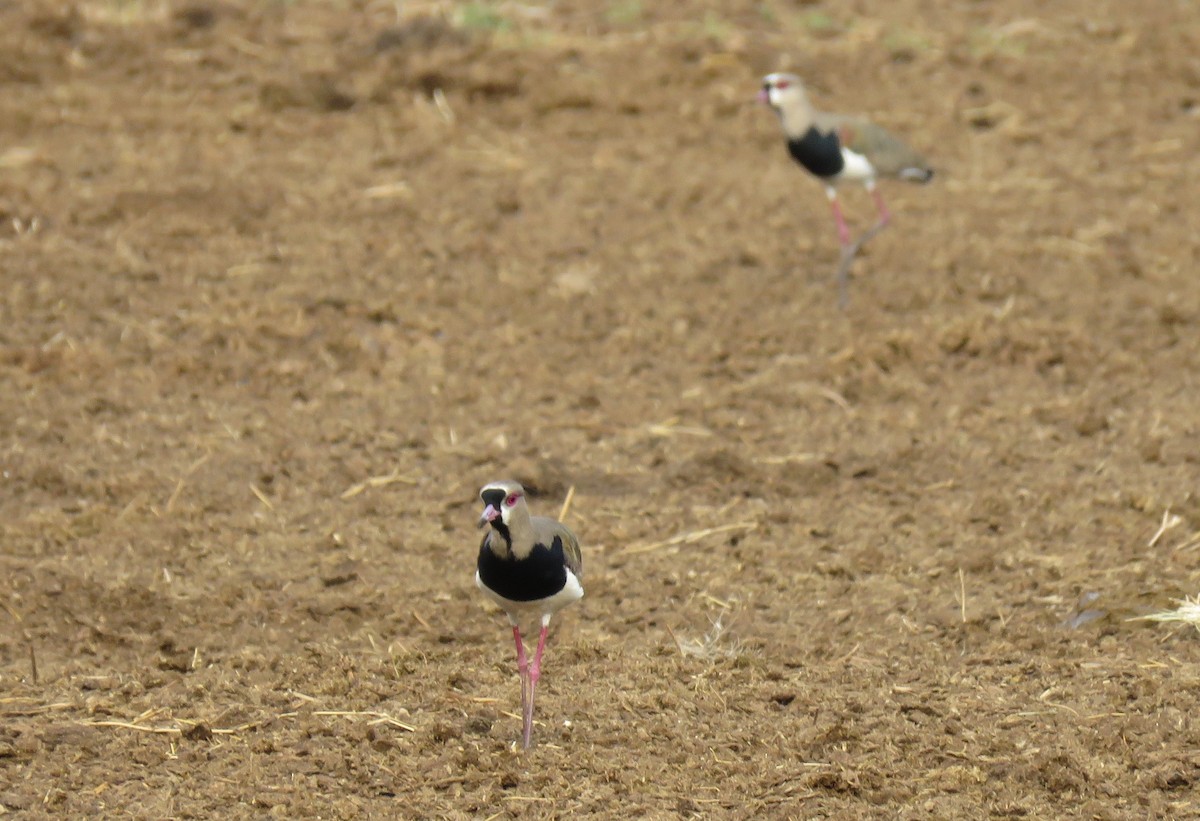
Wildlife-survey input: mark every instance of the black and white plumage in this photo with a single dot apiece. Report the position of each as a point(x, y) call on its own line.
point(836, 148)
point(531, 566)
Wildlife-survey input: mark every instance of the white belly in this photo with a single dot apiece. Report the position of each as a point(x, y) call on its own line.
point(572, 591)
point(857, 168)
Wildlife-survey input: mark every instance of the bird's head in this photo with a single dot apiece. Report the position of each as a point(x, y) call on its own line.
point(778, 90)
point(501, 501)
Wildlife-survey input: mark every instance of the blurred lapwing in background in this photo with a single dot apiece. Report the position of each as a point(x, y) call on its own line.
point(836, 148)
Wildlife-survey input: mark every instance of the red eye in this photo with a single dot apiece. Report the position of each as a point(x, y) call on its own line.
point(782, 84)
point(511, 500)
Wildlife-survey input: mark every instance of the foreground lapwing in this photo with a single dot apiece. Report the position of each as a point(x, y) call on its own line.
point(835, 148)
point(530, 566)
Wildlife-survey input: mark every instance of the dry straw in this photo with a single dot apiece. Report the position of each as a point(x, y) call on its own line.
point(689, 537)
point(374, 719)
point(1187, 612)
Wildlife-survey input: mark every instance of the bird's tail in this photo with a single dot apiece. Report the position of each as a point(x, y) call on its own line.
point(917, 174)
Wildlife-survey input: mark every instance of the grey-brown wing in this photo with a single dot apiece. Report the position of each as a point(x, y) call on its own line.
point(546, 530)
point(890, 155)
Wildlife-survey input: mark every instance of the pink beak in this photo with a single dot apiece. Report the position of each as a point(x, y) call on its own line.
point(763, 96)
point(490, 514)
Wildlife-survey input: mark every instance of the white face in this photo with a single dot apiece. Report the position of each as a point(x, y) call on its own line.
point(500, 500)
point(510, 504)
point(774, 87)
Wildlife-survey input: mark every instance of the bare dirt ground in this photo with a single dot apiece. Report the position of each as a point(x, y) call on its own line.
point(284, 283)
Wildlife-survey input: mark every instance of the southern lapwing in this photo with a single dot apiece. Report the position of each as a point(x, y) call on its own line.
point(530, 566)
point(835, 148)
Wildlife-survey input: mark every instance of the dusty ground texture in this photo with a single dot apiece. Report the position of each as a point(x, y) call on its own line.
point(284, 283)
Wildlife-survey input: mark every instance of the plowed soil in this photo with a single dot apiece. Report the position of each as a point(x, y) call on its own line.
point(284, 283)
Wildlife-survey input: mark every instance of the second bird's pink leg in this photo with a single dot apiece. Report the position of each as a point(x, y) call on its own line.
point(843, 271)
point(885, 216)
point(842, 229)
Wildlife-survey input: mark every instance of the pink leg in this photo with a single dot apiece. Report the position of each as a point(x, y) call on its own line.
point(535, 673)
point(848, 248)
point(523, 669)
point(885, 216)
point(842, 229)
point(522, 662)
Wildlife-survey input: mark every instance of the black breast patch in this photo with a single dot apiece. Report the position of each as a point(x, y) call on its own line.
point(820, 154)
point(539, 575)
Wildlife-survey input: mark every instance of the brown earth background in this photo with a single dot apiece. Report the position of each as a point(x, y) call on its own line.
point(283, 283)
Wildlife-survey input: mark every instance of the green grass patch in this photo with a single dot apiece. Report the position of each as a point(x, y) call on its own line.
point(983, 41)
point(821, 24)
point(906, 44)
point(481, 17)
point(715, 27)
point(624, 12)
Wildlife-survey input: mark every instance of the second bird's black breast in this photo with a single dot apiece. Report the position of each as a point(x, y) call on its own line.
point(540, 574)
point(820, 154)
